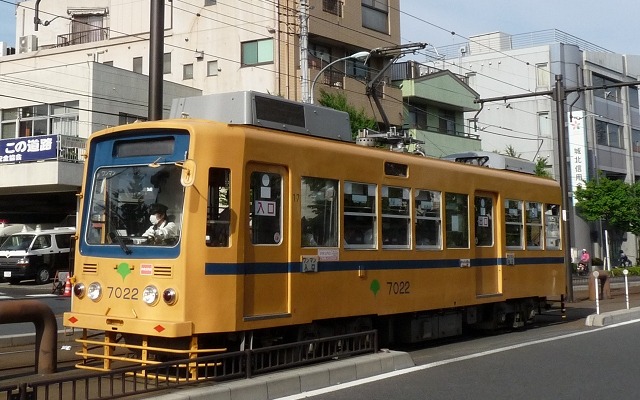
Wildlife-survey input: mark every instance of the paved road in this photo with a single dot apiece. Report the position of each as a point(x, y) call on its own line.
point(29, 290)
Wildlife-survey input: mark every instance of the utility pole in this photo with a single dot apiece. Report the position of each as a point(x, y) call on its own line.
point(304, 52)
point(156, 60)
point(559, 97)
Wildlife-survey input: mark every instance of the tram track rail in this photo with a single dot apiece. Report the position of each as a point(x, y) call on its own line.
point(136, 381)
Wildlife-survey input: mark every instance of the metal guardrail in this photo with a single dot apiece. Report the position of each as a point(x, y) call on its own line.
point(138, 380)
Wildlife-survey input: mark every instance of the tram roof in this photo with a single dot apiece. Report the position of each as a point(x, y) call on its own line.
point(493, 160)
point(267, 111)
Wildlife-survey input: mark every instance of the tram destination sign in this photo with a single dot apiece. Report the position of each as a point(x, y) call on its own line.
point(28, 149)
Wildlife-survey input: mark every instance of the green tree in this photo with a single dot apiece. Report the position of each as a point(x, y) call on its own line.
point(615, 202)
point(358, 118)
point(511, 152)
point(541, 167)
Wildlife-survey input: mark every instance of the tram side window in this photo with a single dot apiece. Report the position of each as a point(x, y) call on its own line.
point(457, 216)
point(218, 210)
point(428, 219)
point(319, 224)
point(266, 208)
point(396, 217)
point(484, 221)
point(513, 223)
point(552, 226)
point(360, 215)
point(534, 225)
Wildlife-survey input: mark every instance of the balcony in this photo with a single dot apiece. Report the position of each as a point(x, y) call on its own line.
point(88, 36)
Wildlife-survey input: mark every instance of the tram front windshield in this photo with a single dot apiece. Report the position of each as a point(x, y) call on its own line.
point(123, 200)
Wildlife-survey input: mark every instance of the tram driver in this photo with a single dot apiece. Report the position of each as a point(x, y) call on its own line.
point(161, 230)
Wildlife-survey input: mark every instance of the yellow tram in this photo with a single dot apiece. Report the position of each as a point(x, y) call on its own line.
point(285, 229)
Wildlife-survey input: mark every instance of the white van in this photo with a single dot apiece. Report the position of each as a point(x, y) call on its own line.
point(35, 255)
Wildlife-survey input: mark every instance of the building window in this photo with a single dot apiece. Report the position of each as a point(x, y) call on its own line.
point(33, 120)
point(633, 97)
point(375, 15)
point(64, 118)
point(609, 134)
point(187, 71)
point(41, 119)
point(544, 125)
point(357, 69)
point(124, 118)
point(257, 52)
point(609, 93)
point(447, 122)
point(212, 68)
point(166, 63)
point(86, 27)
point(332, 7)
point(542, 75)
point(9, 123)
point(137, 65)
point(635, 137)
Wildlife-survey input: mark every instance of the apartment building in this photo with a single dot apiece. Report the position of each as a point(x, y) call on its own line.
point(80, 66)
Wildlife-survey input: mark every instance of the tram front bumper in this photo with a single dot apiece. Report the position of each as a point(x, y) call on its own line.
point(128, 325)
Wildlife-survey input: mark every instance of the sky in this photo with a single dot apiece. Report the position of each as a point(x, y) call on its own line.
point(612, 24)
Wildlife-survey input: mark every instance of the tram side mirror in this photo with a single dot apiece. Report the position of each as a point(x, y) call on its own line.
point(188, 176)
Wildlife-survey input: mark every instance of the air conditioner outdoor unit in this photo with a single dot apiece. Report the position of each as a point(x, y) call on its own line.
point(28, 43)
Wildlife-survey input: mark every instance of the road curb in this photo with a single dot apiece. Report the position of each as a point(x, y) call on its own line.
point(288, 383)
point(613, 317)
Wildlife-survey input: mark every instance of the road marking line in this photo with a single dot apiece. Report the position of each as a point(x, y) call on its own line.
point(380, 377)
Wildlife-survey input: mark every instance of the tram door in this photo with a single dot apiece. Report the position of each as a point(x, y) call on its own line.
point(266, 278)
point(488, 272)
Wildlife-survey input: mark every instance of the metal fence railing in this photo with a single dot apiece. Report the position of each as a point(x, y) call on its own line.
point(139, 380)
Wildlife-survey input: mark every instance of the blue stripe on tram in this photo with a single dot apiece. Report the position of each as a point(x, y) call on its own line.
point(333, 266)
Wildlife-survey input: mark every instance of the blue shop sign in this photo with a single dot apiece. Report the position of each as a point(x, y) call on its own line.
point(28, 149)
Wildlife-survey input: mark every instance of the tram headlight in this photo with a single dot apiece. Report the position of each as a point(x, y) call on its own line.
point(170, 296)
point(94, 292)
point(79, 289)
point(150, 295)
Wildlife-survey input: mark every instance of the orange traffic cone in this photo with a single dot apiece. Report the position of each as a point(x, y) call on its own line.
point(67, 287)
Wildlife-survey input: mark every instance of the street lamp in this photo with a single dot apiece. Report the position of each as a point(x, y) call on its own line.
point(361, 56)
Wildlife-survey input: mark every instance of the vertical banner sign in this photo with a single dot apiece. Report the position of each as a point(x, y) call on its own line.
point(577, 150)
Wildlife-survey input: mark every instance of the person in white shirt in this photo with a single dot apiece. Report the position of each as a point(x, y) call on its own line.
point(161, 231)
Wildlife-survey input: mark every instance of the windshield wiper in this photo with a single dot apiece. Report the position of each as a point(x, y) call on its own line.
point(115, 237)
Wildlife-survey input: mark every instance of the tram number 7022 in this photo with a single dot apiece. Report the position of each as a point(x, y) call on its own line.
point(399, 287)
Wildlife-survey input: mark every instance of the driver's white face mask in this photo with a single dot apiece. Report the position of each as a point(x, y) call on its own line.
point(153, 219)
